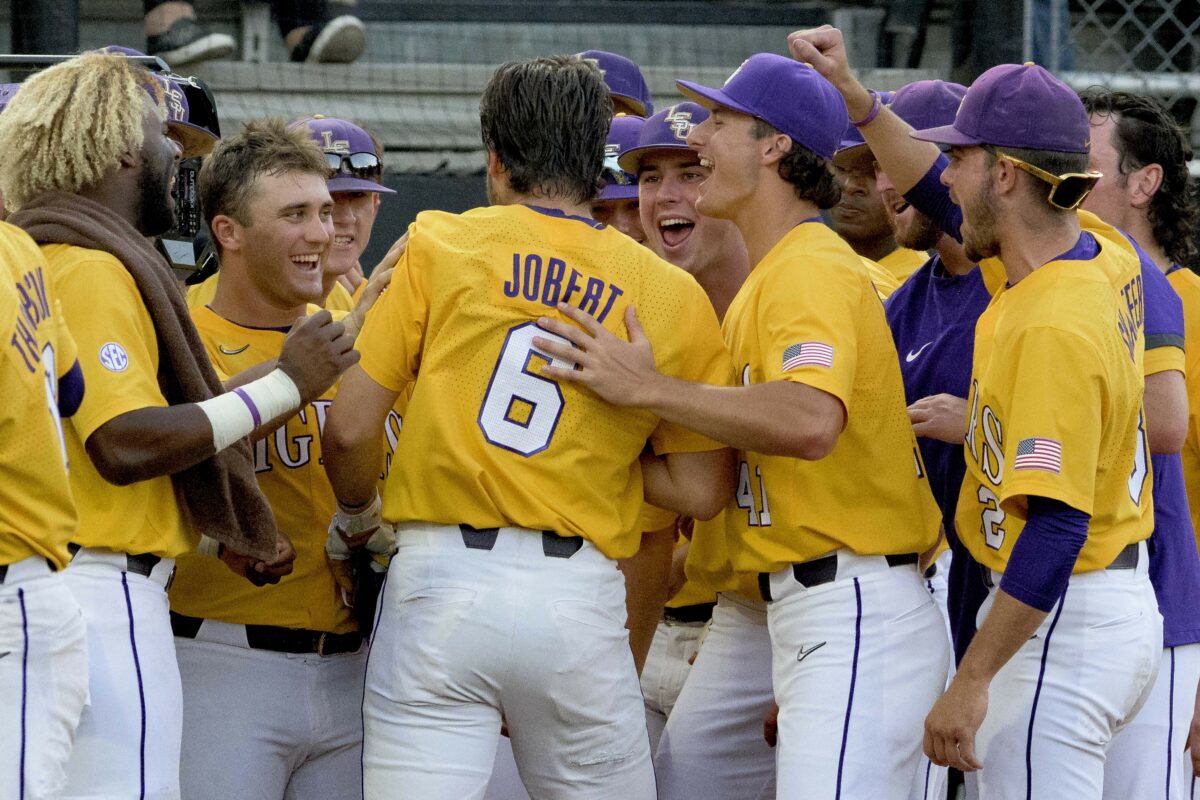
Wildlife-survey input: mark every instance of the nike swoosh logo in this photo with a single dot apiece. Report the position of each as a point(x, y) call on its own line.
point(2, 655)
point(805, 652)
point(243, 349)
point(911, 357)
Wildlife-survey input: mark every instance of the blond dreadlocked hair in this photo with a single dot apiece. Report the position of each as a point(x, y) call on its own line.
point(70, 123)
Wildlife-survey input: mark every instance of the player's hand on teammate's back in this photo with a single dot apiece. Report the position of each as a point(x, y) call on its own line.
point(953, 722)
point(940, 416)
point(259, 572)
point(618, 371)
point(316, 353)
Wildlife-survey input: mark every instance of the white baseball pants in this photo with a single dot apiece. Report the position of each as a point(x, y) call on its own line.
point(127, 744)
point(858, 663)
point(666, 670)
point(1057, 705)
point(466, 633)
point(260, 725)
point(1146, 757)
point(712, 747)
point(43, 680)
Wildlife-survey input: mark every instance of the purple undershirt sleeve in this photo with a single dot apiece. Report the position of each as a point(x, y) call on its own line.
point(932, 199)
point(1045, 553)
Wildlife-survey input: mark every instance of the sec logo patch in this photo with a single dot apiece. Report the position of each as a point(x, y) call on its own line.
point(114, 358)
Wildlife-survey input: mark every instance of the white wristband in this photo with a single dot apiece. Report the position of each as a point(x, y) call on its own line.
point(236, 413)
point(209, 547)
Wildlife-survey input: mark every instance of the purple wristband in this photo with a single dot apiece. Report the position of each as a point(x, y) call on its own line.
point(875, 107)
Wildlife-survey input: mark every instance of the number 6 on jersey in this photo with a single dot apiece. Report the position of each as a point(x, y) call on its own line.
point(521, 408)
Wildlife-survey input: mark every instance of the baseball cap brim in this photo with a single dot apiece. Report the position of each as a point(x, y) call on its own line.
point(850, 152)
point(631, 159)
point(195, 140)
point(346, 183)
point(617, 191)
point(637, 106)
point(946, 135)
point(709, 97)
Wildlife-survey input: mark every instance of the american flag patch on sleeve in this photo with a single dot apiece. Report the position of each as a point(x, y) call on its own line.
point(807, 354)
point(1038, 453)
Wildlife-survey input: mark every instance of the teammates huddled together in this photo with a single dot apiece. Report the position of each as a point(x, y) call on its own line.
point(798, 440)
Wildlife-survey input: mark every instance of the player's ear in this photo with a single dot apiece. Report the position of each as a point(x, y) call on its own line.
point(494, 167)
point(775, 148)
point(1144, 183)
point(227, 232)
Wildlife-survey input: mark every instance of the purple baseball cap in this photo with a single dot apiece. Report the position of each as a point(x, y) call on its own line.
point(338, 136)
point(7, 92)
point(1017, 105)
point(853, 145)
point(619, 184)
point(623, 79)
point(666, 130)
point(195, 139)
point(790, 96)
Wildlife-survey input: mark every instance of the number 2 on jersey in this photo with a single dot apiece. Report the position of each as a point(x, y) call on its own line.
point(521, 409)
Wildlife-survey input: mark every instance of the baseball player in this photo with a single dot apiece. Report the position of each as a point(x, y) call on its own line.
point(514, 493)
point(668, 176)
point(272, 676)
point(626, 86)
point(861, 219)
point(820, 422)
point(932, 317)
point(617, 204)
point(153, 448)
point(1055, 502)
point(357, 187)
point(43, 669)
point(1146, 191)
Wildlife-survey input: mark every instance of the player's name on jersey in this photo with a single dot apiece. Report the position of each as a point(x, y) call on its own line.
point(291, 446)
point(35, 308)
point(549, 280)
point(1133, 321)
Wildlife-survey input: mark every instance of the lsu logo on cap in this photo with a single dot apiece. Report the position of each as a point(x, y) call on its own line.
point(332, 145)
point(680, 123)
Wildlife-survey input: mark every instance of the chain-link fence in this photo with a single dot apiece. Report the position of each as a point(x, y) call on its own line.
point(1145, 46)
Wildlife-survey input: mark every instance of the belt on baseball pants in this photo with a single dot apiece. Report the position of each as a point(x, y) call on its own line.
point(26, 568)
point(819, 571)
point(138, 563)
point(553, 545)
point(295, 641)
point(1126, 559)
point(700, 612)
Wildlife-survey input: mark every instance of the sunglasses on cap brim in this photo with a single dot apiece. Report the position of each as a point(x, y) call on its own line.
point(614, 174)
point(358, 165)
point(1067, 191)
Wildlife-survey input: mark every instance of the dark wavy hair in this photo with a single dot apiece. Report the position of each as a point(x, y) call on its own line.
point(808, 173)
point(547, 120)
point(1146, 133)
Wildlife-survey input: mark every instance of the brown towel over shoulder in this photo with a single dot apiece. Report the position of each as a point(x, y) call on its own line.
point(220, 494)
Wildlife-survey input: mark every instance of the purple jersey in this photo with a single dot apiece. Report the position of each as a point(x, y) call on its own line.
point(1174, 560)
point(932, 316)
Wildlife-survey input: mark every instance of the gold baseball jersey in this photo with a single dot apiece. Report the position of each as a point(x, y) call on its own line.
point(1187, 284)
point(288, 467)
point(118, 352)
point(1055, 404)
point(37, 511)
point(201, 294)
point(885, 283)
point(808, 313)
point(903, 262)
point(487, 440)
